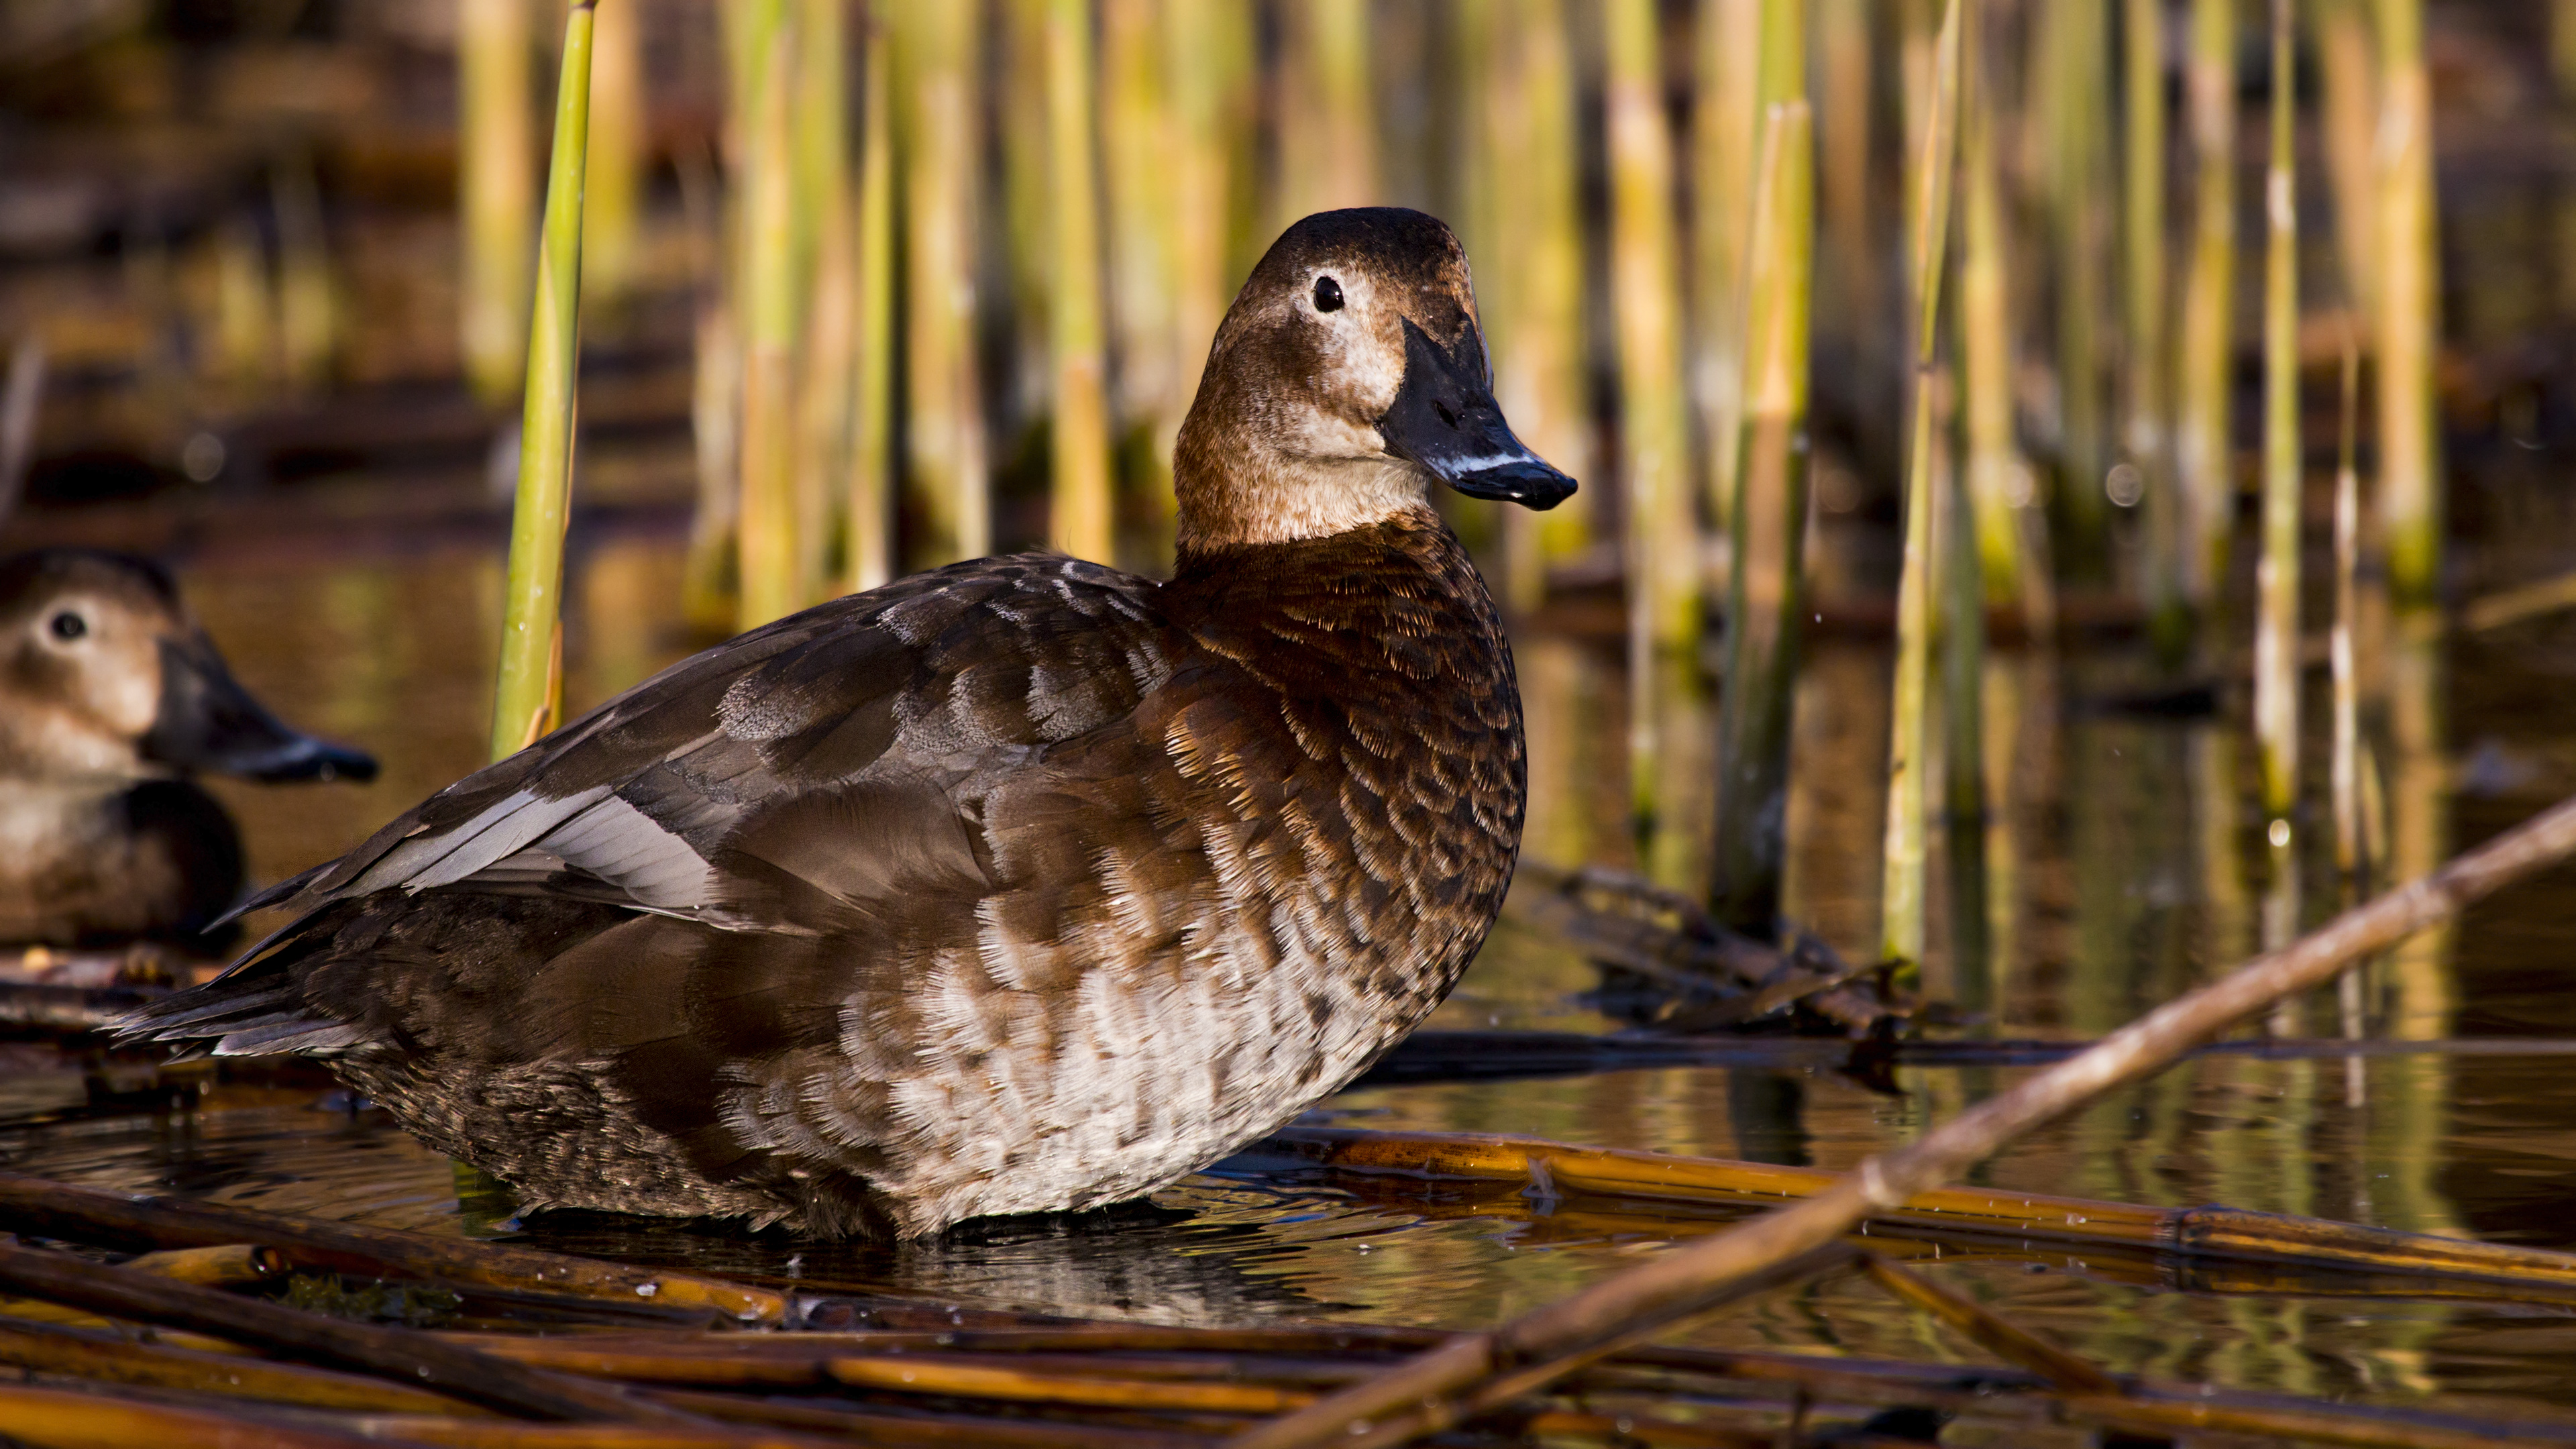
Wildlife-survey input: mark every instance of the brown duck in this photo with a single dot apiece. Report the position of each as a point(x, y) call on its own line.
point(110, 697)
point(1017, 886)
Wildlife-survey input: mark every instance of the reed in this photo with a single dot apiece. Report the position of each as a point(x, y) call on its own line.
point(939, 133)
point(2146, 423)
point(22, 396)
point(527, 699)
point(614, 176)
point(496, 191)
point(1209, 58)
point(1079, 513)
point(2074, 121)
point(1533, 302)
point(1726, 125)
point(151, 1365)
point(2348, 117)
point(766, 234)
point(1141, 139)
point(1902, 901)
point(1430, 1391)
point(869, 547)
point(308, 307)
point(2409, 323)
point(825, 275)
point(1766, 584)
point(1327, 129)
point(2276, 633)
point(2562, 45)
point(1844, 70)
point(2205, 361)
point(1997, 483)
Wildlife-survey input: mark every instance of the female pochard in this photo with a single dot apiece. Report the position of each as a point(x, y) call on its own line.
point(110, 696)
point(1016, 886)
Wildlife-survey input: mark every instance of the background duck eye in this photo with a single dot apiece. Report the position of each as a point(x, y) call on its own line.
point(1328, 295)
point(67, 626)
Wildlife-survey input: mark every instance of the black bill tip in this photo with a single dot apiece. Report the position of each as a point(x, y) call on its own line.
point(1524, 480)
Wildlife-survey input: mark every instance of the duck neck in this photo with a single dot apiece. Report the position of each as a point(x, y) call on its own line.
point(1365, 596)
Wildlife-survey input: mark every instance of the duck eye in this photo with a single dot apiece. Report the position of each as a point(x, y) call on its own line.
point(67, 626)
point(1328, 295)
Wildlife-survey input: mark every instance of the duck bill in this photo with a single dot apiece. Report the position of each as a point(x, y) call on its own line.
point(209, 722)
point(1445, 420)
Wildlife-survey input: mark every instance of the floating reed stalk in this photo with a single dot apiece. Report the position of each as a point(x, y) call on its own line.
point(1427, 1392)
point(2206, 370)
point(1079, 516)
point(108, 1360)
point(1902, 901)
point(2145, 426)
point(765, 528)
point(825, 275)
point(1726, 136)
point(496, 191)
point(2014, 1345)
point(2276, 630)
point(1997, 483)
point(939, 130)
point(870, 545)
point(1533, 304)
point(2410, 465)
point(527, 698)
point(1766, 586)
point(613, 181)
point(1663, 529)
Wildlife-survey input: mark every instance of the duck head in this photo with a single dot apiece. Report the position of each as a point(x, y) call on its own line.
point(105, 678)
point(1350, 373)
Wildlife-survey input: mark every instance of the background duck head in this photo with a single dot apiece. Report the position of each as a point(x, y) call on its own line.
point(1350, 373)
point(110, 696)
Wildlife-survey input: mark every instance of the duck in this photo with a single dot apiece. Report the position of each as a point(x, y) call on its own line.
point(1022, 885)
point(112, 698)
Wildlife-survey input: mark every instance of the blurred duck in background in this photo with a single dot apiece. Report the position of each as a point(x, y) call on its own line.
point(111, 696)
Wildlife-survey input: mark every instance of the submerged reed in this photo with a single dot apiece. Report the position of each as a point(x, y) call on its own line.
point(528, 695)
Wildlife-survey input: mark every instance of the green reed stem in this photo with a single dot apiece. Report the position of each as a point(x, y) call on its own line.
point(2349, 118)
point(1902, 900)
point(1766, 587)
point(2276, 634)
point(1727, 125)
point(1079, 516)
point(528, 696)
point(2076, 128)
point(2202, 433)
point(826, 266)
point(2410, 464)
point(937, 57)
point(870, 554)
point(772, 586)
point(1141, 135)
point(495, 150)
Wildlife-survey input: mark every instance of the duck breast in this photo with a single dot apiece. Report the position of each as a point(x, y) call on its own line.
point(1020, 885)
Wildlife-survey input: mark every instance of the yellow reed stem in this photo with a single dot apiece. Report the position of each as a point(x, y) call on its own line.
point(826, 275)
point(2076, 53)
point(1726, 122)
point(496, 185)
point(2276, 634)
point(1844, 111)
point(939, 130)
point(2349, 118)
point(1328, 134)
point(2145, 426)
point(772, 585)
point(870, 548)
point(2202, 435)
point(2410, 464)
point(1533, 302)
point(1902, 899)
point(2352, 850)
point(1142, 137)
point(1766, 585)
point(620, 116)
point(1078, 518)
point(1997, 482)
point(528, 695)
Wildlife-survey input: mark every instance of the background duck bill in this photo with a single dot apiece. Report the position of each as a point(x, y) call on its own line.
point(209, 722)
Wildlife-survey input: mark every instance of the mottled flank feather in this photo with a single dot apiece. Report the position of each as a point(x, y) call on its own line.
point(1021, 885)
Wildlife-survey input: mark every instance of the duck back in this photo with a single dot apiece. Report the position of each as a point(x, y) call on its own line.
point(1022, 885)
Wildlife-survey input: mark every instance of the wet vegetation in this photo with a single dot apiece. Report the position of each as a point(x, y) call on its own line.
point(2044, 717)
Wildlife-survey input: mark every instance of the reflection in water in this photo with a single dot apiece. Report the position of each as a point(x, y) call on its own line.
point(2117, 878)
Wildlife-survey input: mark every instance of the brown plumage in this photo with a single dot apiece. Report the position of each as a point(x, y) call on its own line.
point(1017, 886)
point(110, 696)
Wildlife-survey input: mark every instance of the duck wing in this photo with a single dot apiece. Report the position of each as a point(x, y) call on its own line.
point(811, 777)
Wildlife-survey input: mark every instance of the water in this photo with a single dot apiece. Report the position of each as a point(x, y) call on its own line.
point(2125, 858)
